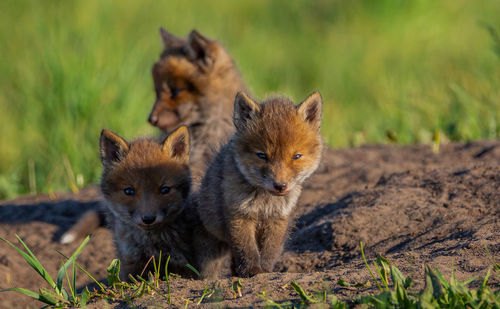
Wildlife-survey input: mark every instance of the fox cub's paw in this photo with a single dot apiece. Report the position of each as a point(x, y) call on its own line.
point(249, 272)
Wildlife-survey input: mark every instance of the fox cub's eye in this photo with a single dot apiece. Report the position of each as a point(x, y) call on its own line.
point(174, 92)
point(129, 191)
point(297, 156)
point(164, 190)
point(261, 155)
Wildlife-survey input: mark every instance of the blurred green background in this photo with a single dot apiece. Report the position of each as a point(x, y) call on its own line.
point(70, 68)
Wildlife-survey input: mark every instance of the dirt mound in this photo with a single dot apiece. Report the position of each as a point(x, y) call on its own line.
point(405, 202)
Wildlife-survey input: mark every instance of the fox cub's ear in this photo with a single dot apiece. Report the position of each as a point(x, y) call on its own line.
point(168, 39)
point(113, 147)
point(310, 110)
point(177, 144)
point(244, 109)
point(197, 49)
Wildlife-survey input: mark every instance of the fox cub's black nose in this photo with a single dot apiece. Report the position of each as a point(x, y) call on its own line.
point(280, 186)
point(148, 219)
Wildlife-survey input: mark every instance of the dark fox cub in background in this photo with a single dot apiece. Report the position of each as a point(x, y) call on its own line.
point(254, 182)
point(145, 185)
point(195, 82)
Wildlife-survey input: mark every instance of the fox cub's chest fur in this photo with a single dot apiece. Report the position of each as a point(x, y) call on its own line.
point(254, 201)
point(228, 194)
point(135, 245)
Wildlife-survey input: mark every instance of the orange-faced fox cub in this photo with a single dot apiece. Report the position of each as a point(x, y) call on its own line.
point(195, 82)
point(145, 185)
point(252, 185)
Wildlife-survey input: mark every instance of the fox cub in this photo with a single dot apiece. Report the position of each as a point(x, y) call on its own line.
point(254, 182)
point(145, 185)
point(195, 82)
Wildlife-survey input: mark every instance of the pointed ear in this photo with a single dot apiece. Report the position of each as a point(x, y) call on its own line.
point(197, 49)
point(310, 110)
point(168, 38)
point(176, 144)
point(244, 109)
point(113, 147)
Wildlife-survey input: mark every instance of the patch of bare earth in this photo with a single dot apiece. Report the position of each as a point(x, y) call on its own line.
point(405, 202)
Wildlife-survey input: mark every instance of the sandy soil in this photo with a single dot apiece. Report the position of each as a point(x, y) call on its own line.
point(405, 202)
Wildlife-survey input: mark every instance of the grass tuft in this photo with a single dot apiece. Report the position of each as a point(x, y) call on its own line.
point(57, 296)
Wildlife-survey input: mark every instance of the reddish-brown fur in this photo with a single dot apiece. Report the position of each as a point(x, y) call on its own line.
point(145, 185)
point(254, 182)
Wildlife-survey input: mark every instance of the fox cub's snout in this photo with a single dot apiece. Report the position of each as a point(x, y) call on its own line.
point(278, 145)
point(145, 182)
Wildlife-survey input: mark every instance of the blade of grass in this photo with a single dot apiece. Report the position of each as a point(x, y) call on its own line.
point(69, 284)
point(194, 270)
point(27, 293)
point(167, 279)
point(51, 296)
point(103, 289)
point(154, 264)
point(114, 272)
point(73, 283)
point(32, 261)
point(379, 270)
point(206, 293)
point(397, 276)
point(496, 266)
point(157, 271)
point(146, 266)
point(237, 285)
point(368, 266)
point(485, 281)
point(86, 272)
point(140, 290)
point(303, 295)
point(70, 260)
point(134, 281)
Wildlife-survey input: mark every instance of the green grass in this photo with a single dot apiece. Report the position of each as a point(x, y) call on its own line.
point(394, 287)
point(115, 289)
point(71, 68)
point(394, 291)
point(57, 296)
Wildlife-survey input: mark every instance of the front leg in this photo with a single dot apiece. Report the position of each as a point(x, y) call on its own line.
point(210, 254)
point(132, 261)
point(271, 241)
point(130, 265)
point(246, 257)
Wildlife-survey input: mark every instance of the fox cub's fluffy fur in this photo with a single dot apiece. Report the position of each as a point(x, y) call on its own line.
point(253, 184)
point(145, 185)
